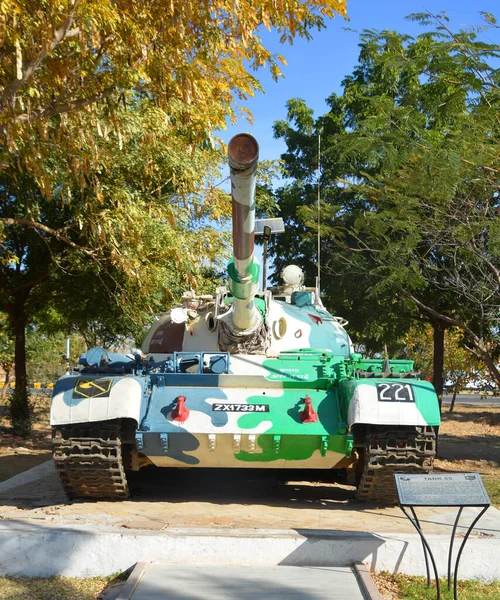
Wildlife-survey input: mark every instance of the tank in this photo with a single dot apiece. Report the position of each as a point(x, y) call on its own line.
point(243, 378)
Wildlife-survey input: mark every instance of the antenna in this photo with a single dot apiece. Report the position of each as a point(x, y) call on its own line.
point(318, 278)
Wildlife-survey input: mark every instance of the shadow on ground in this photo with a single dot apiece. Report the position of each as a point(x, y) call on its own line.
point(220, 487)
point(469, 447)
point(245, 486)
point(476, 416)
point(12, 464)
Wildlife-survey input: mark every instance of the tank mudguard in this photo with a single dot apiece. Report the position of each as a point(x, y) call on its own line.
point(385, 401)
point(87, 398)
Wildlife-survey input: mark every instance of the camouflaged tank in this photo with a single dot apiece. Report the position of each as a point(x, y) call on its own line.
point(243, 378)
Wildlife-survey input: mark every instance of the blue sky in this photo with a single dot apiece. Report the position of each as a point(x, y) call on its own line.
point(315, 69)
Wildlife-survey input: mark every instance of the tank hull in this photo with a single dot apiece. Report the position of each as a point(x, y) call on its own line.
point(244, 427)
point(301, 411)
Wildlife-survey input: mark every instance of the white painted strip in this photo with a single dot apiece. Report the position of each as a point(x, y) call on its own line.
point(365, 407)
point(35, 550)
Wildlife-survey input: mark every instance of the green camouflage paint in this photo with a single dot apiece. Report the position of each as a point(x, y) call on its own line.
point(298, 440)
point(303, 369)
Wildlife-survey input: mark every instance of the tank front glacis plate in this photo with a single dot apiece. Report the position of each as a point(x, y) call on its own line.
point(237, 427)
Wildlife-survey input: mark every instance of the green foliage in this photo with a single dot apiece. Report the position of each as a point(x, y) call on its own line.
point(409, 184)
point(110, 110)
point(6, 345)
point(62, 61)
point(492, 485)
point(46, 354)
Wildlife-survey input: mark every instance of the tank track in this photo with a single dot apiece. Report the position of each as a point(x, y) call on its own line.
point(389, 450)
point(88, 458)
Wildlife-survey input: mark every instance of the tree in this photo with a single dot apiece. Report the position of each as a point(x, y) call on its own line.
point(375, 319)
point(460, 365)
point(410, 180)
point(6, 354)
point(437, 199)
point(106, 121)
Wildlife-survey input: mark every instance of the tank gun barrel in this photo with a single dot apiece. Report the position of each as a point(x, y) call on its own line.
point(243, 269)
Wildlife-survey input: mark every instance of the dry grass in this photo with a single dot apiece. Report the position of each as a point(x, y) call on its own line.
point(53, 588)
point(471, 420)
point(405, 587)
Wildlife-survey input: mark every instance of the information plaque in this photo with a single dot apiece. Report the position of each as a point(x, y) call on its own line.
point(441, 489)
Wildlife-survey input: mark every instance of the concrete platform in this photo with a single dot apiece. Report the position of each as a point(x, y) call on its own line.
point(163, 582)
point(214, 518)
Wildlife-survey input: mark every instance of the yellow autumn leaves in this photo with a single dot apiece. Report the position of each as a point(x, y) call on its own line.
point(96, 94)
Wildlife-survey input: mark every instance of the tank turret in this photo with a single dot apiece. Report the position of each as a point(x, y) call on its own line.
point(243, 268)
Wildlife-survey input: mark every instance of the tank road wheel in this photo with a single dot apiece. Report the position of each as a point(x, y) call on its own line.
point(388, 450)
point(89, 460)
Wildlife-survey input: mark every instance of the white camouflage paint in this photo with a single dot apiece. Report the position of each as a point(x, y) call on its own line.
point(201, 422)
point(364, 407)
point(124, 401)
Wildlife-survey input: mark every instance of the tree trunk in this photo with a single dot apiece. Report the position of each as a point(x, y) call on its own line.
point(20, 410)
point(438, 359)
point(455, 391)
point(6, 384)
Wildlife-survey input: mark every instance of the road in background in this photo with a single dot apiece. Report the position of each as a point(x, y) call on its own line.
point(472, 399)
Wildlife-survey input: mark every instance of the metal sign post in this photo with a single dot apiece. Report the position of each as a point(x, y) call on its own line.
point(442, 489)
point(265, 228)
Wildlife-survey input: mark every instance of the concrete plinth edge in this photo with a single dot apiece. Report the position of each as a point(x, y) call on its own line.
point(35, 550)
point(366, 582)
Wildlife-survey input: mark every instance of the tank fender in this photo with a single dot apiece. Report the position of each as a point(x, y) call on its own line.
point(372, 403)
point(84, 399)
